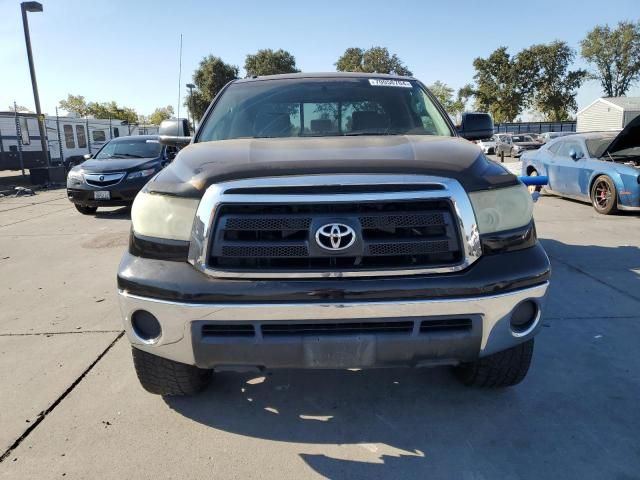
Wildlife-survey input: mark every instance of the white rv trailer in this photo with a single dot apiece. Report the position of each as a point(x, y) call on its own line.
point(68, 139)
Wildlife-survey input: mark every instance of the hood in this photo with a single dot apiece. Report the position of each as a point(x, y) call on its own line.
point(629, 137)
point(115, 164)
point(202, 164)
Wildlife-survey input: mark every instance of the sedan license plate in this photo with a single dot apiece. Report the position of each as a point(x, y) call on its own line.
point(102, 195)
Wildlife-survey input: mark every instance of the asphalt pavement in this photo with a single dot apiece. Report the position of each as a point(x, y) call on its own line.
point(71, 406)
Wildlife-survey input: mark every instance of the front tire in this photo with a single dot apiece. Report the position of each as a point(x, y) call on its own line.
point(86, 210)
point(502, 369)
point(165, 377)
point(604, 196)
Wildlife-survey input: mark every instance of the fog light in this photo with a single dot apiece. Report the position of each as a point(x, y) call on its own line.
point(146, 326)
point(524, 316)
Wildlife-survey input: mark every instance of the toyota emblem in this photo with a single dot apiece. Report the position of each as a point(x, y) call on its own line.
point(335, 236)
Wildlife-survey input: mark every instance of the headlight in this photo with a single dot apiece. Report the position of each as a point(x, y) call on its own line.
point(502, 209)
point(141, 173)
point(163, 216)
point(75, 175)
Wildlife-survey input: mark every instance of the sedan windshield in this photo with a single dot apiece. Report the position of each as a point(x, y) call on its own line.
point(315, 107)
point(134, 148)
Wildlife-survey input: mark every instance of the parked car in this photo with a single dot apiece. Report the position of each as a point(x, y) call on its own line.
point(331, 221)
point(513, 145)
point(117, 172)
point(488, 145)
point(601, 168)
point(537, 137)
point(547, 136)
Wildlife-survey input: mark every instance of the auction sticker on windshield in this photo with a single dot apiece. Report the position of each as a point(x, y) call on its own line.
point(379, 82)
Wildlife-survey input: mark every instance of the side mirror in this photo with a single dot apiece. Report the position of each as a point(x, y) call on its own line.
point(87, 156)
point(174, 132)
point(174, 141)
point(475, 126)
point(575, 156)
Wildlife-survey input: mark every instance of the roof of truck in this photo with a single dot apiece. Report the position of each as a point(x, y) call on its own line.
point(326, 75)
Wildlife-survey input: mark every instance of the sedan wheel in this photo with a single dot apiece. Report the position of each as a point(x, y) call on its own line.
point(604, 196)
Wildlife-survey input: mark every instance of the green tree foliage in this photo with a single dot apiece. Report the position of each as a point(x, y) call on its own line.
point(504, 86)
point(211, 75)
point(75, 104)
point(78, 105)
point(555, 86)
point(444, 94)
point(19, 108)
point(160, 114)
point(268, 62)
point(615, 54)
point(373, 60)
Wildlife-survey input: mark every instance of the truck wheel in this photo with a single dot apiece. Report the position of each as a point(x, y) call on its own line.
point(166, 377)
point(86, 210)
point(604, 196)
point(502, 369)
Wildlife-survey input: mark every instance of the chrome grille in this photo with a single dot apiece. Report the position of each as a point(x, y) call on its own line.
point(406, 224)
point(103, 179)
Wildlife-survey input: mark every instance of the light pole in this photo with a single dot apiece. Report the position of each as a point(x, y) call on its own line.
point(34, 7)
point(191, 86)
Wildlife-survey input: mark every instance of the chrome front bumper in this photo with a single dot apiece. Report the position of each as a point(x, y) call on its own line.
point(178, 341)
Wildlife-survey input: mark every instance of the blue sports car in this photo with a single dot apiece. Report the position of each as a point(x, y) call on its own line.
point(602, 168)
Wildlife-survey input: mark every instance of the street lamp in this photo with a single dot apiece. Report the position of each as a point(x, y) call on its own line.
point(191, 86)
point(34, 7)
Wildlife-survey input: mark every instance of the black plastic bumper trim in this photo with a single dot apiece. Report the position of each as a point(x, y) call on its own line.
point(181, 282)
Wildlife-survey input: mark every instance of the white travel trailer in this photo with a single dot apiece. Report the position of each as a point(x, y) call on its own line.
point(68, 139)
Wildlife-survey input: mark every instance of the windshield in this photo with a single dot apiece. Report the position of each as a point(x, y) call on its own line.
point(134, 148)
point(522, 138)
point(321, 108)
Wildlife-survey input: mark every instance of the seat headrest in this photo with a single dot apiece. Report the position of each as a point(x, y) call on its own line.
point(369, 120)
point(269, 124)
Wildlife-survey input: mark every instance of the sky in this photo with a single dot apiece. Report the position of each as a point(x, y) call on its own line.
point(128, 51)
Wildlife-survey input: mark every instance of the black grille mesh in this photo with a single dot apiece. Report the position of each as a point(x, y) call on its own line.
point(281, 237)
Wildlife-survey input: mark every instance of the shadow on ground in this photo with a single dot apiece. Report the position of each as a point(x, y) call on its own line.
point(116, 214)
point(575, 413)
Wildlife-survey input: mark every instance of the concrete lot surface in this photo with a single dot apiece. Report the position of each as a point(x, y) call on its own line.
point(71, 406)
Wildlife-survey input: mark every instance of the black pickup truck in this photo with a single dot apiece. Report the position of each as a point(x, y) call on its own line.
point(331, 221)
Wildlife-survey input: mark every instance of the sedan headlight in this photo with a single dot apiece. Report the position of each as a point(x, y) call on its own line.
point(163, 216)
point(502, 209)
point(141, 173)
point(75, 175)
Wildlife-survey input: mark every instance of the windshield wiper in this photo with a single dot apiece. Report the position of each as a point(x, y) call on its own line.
point(128, 155)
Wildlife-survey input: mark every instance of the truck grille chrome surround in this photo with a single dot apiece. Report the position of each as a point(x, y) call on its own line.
point(269, 233)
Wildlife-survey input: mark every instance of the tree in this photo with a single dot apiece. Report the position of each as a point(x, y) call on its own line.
point(373, 60)
point(160, 114)
point(78, 105)
point(615, 53)
point(555, 86)
point(75, 104)
point(504, 86)
point(19, 108)
point(444, 94)
point(211, 75)
point(268, 62)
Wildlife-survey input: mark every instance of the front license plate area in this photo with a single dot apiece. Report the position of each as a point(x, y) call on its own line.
point(102, 195)
point(340, 352)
